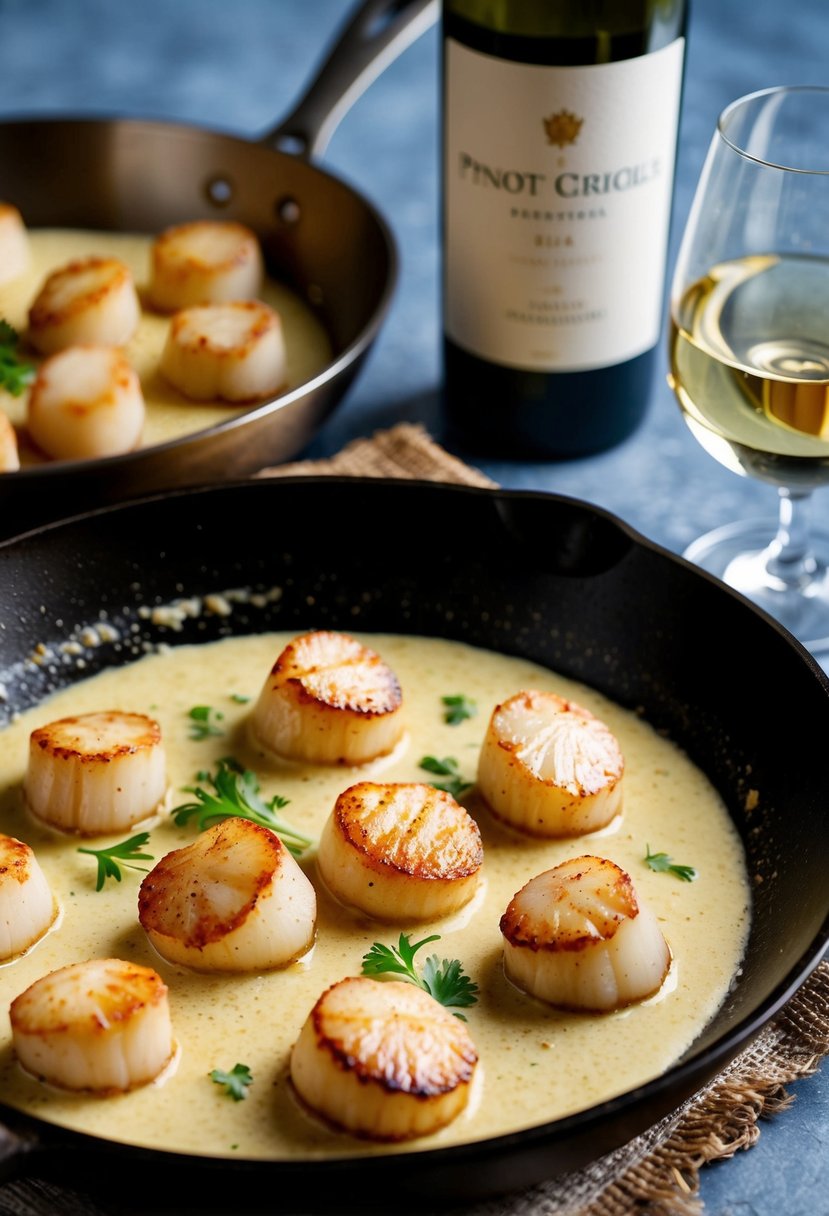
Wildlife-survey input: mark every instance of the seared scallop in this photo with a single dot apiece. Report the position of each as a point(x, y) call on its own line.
point(96, 773)
point(235, 352)
point(102, 1025)
point(205, 262)
point(383, 1060)
point(14, 243)
point(9, 456)
point(27, 908)
point(86, 402)
point(400, 851)
point(90, 300)
point(549, 767)
point(329, 700)
point(234, 900)
point(578, 937)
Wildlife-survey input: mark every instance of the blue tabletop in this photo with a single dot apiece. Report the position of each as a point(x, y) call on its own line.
point(240, 67)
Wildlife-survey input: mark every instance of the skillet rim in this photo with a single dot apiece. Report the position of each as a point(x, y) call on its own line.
point(687, 1074)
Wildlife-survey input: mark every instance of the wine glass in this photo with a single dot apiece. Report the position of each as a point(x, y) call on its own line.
point(750, 343)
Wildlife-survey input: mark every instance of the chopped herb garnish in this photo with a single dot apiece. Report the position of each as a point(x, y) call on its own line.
point(662, 864)
point(239, 698)
point(447, 767)
point(444, 979)
point(112, 859)
point(203, 719)
point(458, 708)
point(235, 1082)
point(235, 791)
point(16, 374)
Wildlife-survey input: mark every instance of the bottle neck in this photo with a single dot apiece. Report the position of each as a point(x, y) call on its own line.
point(564, 34)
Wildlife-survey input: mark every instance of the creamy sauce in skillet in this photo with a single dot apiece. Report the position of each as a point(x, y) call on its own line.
point(536, 1064)
point(169, 413)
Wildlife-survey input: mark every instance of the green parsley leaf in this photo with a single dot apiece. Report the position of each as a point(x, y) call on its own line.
point(447, 983)
point(236, 1081)
point(126, 853)
point(203, 719)
point(239, 698)
point(662, 864)
point(458, 708)
point(447, 767)
point(444, 979)
point(235, 791)
point(382, 959)
point(16, 374)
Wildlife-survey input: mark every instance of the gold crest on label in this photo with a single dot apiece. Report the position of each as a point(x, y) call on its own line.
point(562, 128)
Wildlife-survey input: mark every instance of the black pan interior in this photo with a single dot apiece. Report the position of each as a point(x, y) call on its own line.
point(544, 577)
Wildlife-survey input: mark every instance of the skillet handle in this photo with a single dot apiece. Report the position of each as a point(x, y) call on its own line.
point(375, 35)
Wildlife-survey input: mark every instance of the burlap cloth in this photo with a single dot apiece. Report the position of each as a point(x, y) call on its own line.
point(658, 1172)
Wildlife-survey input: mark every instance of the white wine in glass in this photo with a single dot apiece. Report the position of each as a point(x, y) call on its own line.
point(750, 343)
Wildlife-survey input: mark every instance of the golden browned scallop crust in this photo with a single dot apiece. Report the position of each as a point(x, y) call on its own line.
point(329, 700)
point(235, 899)
point(584, 900)
point(383, 1060)
point(578, 937)
point(27, 908)
point(400, 851)
point(232, 352)
point(96, 773)
point(86, 402)
point(204, 262)
point(97, 738)
point(102, 1025)
point(89, 300)
point(549, 767)
point(14, 243)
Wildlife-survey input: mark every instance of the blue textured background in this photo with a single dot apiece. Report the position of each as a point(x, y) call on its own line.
point(240, 67)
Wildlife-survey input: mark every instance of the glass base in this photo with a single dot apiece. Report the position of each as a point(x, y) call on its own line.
point(738, 554)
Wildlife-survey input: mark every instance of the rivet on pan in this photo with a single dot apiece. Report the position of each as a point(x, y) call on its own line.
point(294, 144)
point(219, 191)
point(288, 210)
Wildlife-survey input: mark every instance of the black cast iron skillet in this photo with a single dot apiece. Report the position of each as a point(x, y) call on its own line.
point(318, 234)
point(548, 578)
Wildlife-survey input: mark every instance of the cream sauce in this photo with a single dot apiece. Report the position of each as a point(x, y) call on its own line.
point(537, 1064)
point(169, 413)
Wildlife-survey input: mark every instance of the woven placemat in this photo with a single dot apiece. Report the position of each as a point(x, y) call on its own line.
point(405, 450)
point(658, 1172)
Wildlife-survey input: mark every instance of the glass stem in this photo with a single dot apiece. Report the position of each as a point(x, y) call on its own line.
point(790, 556)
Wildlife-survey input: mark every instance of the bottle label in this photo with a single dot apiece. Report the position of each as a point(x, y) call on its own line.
point(558, 185)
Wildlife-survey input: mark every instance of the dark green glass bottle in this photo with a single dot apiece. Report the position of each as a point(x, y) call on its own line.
point(559, 137)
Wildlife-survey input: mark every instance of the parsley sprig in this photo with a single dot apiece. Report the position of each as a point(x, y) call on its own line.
point(235, 1082)
point(234, 790)
point(457, 708)
point(447, 767)
point(16, 374)
point(444, 979)
point(661, 863)
point(204, 721)
point(127, 853)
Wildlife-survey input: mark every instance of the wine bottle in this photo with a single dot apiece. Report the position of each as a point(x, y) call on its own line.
point(560, 123)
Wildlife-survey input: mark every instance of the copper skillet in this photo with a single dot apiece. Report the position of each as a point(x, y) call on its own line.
point(317, 233)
